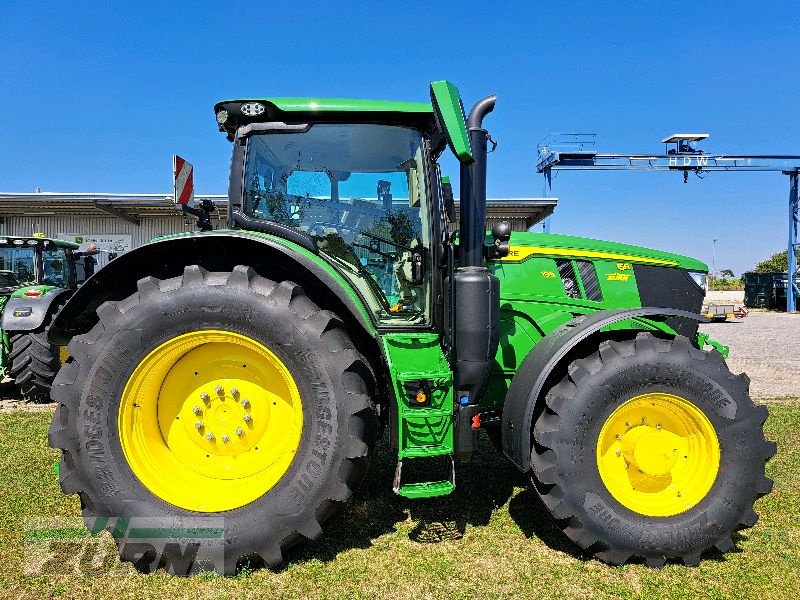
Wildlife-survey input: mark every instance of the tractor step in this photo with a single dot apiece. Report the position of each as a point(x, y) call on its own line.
point(424, 489)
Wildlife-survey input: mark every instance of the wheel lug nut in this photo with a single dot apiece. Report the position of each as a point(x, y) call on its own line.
point(239, 431)
point(196, 410)
point(658, 425)
point(198, 425)
point(247, 418)
point(204, 397)
point(619, 452)
point(219, 389)
point(225, 439)
point(245, 402)
point(209, 436)
point(619, 436)
point(627, 424)
point(234, 391)
point(644, 420)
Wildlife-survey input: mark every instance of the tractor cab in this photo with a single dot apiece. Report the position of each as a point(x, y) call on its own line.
point(37, 275)
point(36, 261)
point(354, 181)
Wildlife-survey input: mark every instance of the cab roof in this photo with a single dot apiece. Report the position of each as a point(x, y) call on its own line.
point(321, 110)
point(20, 241)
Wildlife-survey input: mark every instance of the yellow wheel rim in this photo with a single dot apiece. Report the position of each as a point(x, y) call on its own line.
point(210, 421)
point(658, 454)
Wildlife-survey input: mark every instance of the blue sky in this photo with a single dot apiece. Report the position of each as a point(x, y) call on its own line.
point(98, 96)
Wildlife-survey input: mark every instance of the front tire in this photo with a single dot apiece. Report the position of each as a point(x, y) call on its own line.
point(174, 350)
point(651, 449)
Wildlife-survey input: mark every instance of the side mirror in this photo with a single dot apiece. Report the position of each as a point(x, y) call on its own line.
point(447, 198)
point(501, 232)
point(450, 117)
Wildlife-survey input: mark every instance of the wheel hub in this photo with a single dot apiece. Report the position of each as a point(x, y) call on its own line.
point(650, 450)
point(658, 454)
point(210, 420)
point(235, 424)
point(654, 454)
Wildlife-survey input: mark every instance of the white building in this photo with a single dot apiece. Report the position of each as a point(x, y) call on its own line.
point(115, 223)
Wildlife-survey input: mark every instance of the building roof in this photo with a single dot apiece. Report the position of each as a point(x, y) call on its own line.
point(133, 207)
point(130, 207)
point(522, 213)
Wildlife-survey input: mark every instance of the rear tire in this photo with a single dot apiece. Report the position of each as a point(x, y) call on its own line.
point(334, 383)
point(34, 364)
point(567, 464)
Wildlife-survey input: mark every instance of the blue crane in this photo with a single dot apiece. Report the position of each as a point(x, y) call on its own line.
point(577, 151)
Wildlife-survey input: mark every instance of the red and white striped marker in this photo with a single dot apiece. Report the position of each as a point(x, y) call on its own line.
point(183, 178)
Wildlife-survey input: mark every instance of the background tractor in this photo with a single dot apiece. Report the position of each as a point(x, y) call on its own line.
point(37, 276)
point(235, 381)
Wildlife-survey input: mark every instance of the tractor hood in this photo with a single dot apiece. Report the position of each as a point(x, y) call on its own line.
point(524, 245)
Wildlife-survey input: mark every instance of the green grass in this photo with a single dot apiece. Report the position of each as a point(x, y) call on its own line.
point(489, 539)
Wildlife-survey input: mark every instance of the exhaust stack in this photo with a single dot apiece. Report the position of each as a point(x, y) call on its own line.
point(473, 187)
point(477, 291)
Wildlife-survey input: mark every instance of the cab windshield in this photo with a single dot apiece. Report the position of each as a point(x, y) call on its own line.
point(35, 264)
point(19, 263)
point(359, 191)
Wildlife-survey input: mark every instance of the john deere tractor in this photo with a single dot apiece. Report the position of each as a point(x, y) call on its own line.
point(239, 378)
point(37, 275)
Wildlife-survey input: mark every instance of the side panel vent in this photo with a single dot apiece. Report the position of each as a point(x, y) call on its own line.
point(590, 283)
point(568, 278)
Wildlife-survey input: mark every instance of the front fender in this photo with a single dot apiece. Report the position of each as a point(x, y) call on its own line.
point(219, 250)
point(526, 387)
point(27, 314)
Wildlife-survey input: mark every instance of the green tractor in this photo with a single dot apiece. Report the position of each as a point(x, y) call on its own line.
point(234, 382)
point(37, 276)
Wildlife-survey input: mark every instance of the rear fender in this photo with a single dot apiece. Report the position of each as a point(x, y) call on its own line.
point(527, 386)
point(214, 251)
point(29, 313)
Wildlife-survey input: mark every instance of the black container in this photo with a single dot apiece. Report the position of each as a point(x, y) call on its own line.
point(766, 290)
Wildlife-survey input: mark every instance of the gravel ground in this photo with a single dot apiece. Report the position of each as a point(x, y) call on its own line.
point(766, 346)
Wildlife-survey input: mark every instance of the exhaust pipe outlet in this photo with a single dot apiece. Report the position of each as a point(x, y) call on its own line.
point(482, 108)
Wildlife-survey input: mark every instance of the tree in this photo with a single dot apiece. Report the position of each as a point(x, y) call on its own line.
point(778, 262)
point(726, 274)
